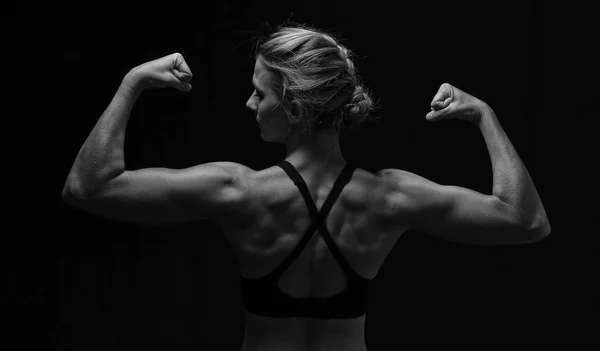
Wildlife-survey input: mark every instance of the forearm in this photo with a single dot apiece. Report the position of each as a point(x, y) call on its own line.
point(512, 182)
point(101, 158)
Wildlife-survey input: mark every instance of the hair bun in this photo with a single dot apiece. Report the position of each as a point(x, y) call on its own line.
point(359, 107)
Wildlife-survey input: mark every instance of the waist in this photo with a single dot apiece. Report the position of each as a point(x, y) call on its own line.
point(347, 304)
point(304, 333)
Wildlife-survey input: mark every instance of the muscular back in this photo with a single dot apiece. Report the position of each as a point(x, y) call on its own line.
point(356, 222)
point(279, 218)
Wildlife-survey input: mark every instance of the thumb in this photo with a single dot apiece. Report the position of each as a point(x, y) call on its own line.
point(431, 116)
point(435, 115)
point(184, 86)
point(181, 75)
point(440, 105)
point(437, 105)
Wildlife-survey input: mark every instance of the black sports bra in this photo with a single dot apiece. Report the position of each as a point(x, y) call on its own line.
point(263, 297)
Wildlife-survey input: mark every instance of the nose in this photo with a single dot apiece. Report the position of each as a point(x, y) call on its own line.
point(250, 105)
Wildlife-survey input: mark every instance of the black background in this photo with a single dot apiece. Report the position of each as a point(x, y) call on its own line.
point(79, 282)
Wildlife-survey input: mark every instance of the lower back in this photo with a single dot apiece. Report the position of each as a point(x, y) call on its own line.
point(303, 334)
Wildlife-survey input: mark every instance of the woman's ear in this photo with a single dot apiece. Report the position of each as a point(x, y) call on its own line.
point(295, 112)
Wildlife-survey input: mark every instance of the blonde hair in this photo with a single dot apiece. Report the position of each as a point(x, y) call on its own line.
point(311, 67)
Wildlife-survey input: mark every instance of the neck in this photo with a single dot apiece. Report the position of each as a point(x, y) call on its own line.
point(320, 147)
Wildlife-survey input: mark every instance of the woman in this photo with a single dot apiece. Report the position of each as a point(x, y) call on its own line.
point(303, 290)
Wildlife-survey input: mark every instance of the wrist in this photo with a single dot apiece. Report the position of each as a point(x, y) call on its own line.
point(485, 111)
point(132, 82)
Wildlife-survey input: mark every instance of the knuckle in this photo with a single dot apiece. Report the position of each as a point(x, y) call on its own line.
point(176, 57)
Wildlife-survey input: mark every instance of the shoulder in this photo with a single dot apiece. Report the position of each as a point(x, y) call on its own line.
point(390, 180)
point(404, 193)
point(239, 197)
point(391, 176)
point(397, 181)
point(367, 190)
point(239, 175)
point(244, 181)
point(233, 168)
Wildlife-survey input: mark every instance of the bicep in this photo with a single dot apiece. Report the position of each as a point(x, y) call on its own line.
point(452, 212)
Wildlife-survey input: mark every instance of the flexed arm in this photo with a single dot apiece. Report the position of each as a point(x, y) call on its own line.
point(101, 158)
point(98, 182)
point(512, 182)
point(514, 214)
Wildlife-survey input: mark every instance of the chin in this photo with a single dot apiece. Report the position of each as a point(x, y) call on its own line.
point(265, 136)
point(271, 137)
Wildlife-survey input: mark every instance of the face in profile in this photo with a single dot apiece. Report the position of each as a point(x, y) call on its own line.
point(269, 112)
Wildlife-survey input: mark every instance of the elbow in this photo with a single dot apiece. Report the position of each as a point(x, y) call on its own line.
point(69, 196)
point(68, 191)
point(525, 229)
point(542, 231)
point(65, 193)
point(535, 233)
point(73, 191)
point(534, 227)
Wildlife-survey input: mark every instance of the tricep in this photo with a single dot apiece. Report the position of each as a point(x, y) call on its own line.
point(451, 212)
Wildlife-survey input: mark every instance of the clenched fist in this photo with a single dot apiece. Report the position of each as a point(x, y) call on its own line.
point(451, 102)
point(167, 71)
